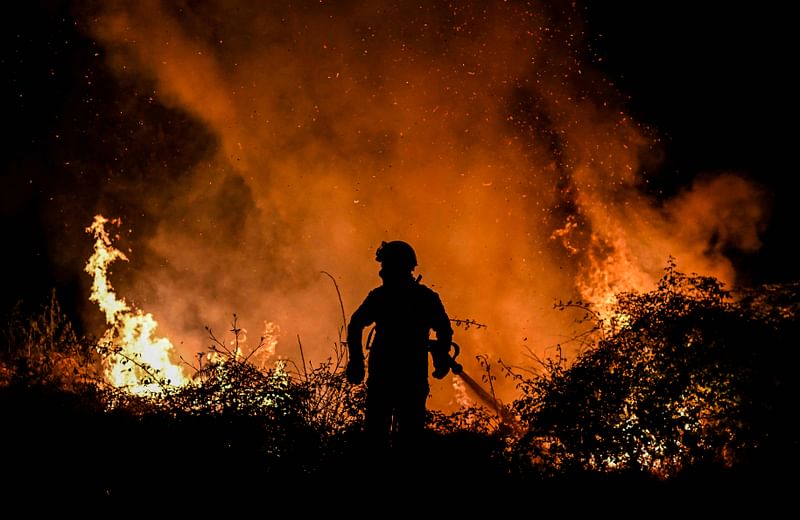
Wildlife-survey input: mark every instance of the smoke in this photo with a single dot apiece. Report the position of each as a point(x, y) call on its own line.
point(476, 131)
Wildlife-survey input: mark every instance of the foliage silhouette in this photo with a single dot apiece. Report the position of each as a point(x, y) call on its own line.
point(687, 382)
point(678, 378)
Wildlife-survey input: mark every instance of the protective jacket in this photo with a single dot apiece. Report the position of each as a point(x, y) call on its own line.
point(404, 314)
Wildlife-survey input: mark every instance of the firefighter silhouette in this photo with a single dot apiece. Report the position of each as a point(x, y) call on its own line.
point(404, 312)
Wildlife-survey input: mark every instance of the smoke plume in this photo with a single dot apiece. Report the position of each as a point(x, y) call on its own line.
point(477, 131)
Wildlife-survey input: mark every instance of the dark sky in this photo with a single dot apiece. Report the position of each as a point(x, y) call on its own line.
point(712, 79)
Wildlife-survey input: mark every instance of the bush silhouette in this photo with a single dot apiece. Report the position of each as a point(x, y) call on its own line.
point(678, 378)
point(686, 382)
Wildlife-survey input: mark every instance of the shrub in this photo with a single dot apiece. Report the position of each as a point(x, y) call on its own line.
point(683, 376)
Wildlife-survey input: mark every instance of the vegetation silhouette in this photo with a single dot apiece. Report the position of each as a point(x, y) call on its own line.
point(682, 388)
point(678, 379)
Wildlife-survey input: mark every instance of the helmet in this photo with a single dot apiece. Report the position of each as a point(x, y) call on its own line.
point(397, 254)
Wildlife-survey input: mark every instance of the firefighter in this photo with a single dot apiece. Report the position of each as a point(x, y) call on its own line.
point(404, 312)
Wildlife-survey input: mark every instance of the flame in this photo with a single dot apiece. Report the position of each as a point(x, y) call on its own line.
point(476, 132)
point(140, 361)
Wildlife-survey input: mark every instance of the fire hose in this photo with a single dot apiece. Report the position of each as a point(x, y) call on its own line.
point(458, 370)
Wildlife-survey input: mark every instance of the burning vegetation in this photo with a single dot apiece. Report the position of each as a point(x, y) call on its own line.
point(137, 356)
point(689, 377)
point(253, 146)
point(481, 133)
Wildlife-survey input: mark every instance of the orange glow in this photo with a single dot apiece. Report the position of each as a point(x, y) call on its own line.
point(477, 133)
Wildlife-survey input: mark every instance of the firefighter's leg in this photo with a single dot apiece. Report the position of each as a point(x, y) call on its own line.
point(378, 418)
point(411, 416)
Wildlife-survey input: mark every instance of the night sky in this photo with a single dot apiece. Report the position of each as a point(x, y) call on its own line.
point(713, 78)
point(712, 82)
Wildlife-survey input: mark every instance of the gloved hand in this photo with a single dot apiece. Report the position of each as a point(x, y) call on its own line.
point(439, 373)
point(441, 361)
point(355, 371)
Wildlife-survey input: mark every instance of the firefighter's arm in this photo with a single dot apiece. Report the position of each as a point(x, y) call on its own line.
point(355, 365)
point(440, 349)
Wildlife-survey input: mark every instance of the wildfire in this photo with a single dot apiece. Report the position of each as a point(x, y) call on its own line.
point(140, 361)
point(511, 165)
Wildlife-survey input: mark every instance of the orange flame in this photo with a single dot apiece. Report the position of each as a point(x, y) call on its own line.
point(511, 165)
point(140, 361)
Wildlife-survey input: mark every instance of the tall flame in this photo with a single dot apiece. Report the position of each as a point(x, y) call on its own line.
point(476, 131)
point(140, 360)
